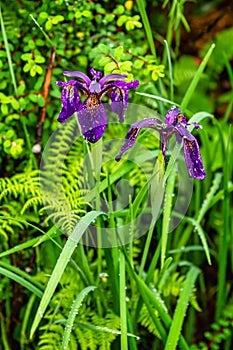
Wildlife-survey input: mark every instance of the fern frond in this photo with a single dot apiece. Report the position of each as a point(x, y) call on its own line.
point(145, 321)
point(90, 331)
point(23, 184)
point(34, 202)
point(6, 224)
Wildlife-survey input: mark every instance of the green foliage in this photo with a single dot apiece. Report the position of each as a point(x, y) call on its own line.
point(90, 331)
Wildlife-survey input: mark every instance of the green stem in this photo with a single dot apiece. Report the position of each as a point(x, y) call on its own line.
point(42, 30)
point(146, 23)
point(123, 311)
point(8, 54)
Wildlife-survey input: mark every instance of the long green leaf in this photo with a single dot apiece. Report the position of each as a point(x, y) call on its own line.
point(30, 286)
point(196, 78)
point(73, 312)
point(226, 235)
point(181, 308)
point(8, 53)
point(123, 313)
point(146, 23)
point(61, 264)
point(167, 214)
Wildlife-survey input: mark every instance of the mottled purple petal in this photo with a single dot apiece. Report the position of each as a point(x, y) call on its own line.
point(70, 100)
point(133, 133)
point(191, 149)
point(119, 103)
point(119, 96)
point(182, 130)
point(78, 74)
point(193, 159)
point(174, 116)
point(92, 118)
point(96, 74)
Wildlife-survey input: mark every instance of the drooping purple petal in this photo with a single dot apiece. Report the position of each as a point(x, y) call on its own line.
point(119, 95)
point(70, 100)
point(78, 74)
point(182, 131)
point(96, 74)
point(191, 152)
point(193, 159)
point(92, 118)
point(119, 103)
point(133, 133)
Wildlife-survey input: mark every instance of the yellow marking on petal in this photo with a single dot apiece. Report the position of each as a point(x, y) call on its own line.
point(70, 92)
point(92, 101)
point(179, 118)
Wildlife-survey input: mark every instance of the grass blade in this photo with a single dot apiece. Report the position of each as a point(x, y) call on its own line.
point(170, 71)
point(73, 312)
point(146, 23)
point(180, 311)
point(30, 286)
point(196, 78)
point(167, 214)
point(123, 311)
point(226, 236)
point(8, 53)
point(42, 30)
point(61, 264)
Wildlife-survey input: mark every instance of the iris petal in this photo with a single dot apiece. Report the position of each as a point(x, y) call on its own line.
point(193, 159)
point(119, 95)
point(133, 133)
point(70, 100)
point(92, 118)
point(78, 74)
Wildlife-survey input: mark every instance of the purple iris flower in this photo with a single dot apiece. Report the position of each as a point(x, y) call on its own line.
point(175, 123)
point(91, 112)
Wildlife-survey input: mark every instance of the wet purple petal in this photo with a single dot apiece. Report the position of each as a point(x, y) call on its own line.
point(164, 140)
point(193, 159)
point(133, 133)
point(183, 131)
point(70, 100)
point(190, 145)
point(119, 103)
point(92, 118)
point(119, 96)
